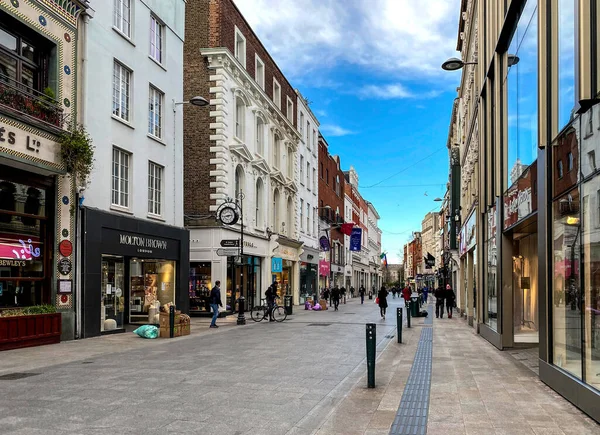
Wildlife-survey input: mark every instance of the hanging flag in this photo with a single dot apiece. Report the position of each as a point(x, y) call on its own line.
point(385, 263)
point(382, 255)
point(355, 239)
point(347, 228)
point(324, 241)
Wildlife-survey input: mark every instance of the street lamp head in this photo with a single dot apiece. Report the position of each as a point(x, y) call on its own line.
point(199, 101)
point(453, 64)
point(513, 59)
point(438, 199)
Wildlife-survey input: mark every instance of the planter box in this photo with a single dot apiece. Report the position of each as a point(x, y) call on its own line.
point(26, 331)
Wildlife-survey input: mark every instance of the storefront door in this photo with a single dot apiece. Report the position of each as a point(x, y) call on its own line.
point(112, 306)
point(525, 291)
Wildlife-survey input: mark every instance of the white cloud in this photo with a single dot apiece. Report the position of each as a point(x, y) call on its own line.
point(385, 92)
point(406, 38)
point(335, 130)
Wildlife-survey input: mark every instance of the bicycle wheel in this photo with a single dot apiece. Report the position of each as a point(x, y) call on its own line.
point(279, 314)
point(258, 313)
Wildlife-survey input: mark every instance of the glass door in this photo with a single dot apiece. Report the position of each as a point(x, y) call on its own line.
point(113, 297)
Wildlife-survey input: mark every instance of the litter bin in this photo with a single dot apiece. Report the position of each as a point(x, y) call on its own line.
point(414, 305)
point(287, 304)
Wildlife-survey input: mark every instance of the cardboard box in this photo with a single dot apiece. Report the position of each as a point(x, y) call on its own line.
point(165, 332)
point(323, 303)
point(184, 329)
point(164, 319)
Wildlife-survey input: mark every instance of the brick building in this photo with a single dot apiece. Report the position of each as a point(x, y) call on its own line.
point(241, 151)
point(331, 215)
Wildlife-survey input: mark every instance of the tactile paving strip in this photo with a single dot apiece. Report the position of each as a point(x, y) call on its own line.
point(411, 418)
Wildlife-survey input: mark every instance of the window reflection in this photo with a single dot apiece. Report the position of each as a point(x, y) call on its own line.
point(566, 61)
point(491, 309)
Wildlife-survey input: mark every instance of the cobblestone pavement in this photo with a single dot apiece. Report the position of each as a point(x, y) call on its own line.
point(304, 376)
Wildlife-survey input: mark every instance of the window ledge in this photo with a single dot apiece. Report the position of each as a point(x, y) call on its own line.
point(123, 35)
point(238, 140)
point(156, 217)
point(157, 62)
point(122, 121)
point(120, 209)
point(156, 139)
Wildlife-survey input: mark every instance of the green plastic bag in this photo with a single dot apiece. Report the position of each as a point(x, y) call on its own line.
point(147, 331)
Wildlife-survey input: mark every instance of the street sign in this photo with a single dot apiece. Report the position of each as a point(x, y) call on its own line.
point(228, 252)
point(230, 243)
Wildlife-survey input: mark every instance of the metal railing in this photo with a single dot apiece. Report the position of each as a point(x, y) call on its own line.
point(27, 101)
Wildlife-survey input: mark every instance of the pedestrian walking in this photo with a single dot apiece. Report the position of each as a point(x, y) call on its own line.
point(382, 296)
point(394, 291)
point(425, 294)
point(439, 302)
point(343, 293)
point(361, 292)
point(335, 297)
point(406, 292)
point(352, 291)
point(326, 294)
point(450, 297)
point(215, 303)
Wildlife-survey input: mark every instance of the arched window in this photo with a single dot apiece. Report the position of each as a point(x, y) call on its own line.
point(289, 226)
point(276, 225)
point(276, 150)
point(239, 181)
point(240, 113)
point(337, 185)
point(260, 136)
point(258, 216)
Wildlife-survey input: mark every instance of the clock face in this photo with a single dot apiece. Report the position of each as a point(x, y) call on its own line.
point(228, 216)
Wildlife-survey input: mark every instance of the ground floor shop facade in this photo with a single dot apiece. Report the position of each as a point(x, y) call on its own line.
point(130, 268)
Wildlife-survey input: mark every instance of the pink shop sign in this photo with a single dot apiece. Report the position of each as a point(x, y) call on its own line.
point(324, 268)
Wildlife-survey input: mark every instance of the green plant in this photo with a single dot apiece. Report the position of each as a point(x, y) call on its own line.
point(28, 311)
point(77, 152)
point(48, 92)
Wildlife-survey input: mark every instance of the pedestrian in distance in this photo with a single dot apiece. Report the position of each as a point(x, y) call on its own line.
point(425, 294)
point(326, 294)
point(361, 292)
point(382, 296)
point(440, 295)
point(270, 295)
point(343, 293)
point(406, 293)
point(215, 303)
point(335, 297)
point(450, 297)
point(352, 291)
point(394, 290)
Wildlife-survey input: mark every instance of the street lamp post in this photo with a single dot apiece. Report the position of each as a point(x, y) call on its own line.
point(328, 232)
point(241, 320)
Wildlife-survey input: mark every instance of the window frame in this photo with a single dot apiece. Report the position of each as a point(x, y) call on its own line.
point(260, 79)
point(301, 215)
point(121, 180)
point(260, 136)
point(155, 188)
point(276, 86)
point(240, 115)
point(289, 109)
point(122, 69)
point(153, 91)
point(118, 25)
point(302, 170)
point(560, 169)
point(161, 39)
point(239, 37)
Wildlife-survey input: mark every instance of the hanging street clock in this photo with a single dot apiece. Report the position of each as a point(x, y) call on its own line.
point(228, 213)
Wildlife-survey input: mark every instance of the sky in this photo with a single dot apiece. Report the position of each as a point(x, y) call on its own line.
point(371, 71)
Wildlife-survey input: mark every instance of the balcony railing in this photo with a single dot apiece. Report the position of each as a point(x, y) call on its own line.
point(29, 102)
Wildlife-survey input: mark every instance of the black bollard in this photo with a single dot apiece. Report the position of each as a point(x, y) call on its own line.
point(399, 323)
point(407, 314)
point(371, 345)
point(171, 321)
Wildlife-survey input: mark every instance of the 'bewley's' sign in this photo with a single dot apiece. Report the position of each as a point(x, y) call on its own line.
point(143, 242)
point(139, 245)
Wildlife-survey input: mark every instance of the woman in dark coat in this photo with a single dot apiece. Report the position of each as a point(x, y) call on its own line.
point(382, 295)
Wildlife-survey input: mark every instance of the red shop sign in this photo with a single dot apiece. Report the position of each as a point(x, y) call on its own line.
point(65, 248)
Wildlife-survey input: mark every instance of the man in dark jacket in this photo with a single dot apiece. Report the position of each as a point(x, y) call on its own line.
point(450, 300)
point(215, 303)
point(361, 292)
point(440, 295)
point(270, 295)
point(335, 297)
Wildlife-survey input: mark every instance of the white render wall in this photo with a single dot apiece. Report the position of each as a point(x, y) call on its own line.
point(104, 45)
point(308, 190)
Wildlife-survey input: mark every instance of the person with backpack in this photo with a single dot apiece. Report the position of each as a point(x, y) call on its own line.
point(440, 295)
point(382, 300)
point(450, 297)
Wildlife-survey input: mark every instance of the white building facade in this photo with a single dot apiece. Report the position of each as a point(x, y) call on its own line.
point(374, 238)
point(134, 249)
point(308, 198)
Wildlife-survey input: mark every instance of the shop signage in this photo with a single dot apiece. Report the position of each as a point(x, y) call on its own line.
point(324, 268)
point(136, 244)
point(65, 248)
point(230, 243)
point(65, 266)
point(324, 241)
point(355, 239)
point(65, 286)
point(21, 141)
point(228, 252)
point(467, 235)
point(276, 264)
point(19, 250)
point(13, 263)
point(517, 205)
point(248, 244)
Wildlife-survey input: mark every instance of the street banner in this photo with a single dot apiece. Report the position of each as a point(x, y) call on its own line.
point(324, 241)
point(276, 264)
point(347, 228)
point(355, 239)
point(324, 268)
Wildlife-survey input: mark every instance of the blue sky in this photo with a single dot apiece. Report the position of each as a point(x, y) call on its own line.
point(371, 69)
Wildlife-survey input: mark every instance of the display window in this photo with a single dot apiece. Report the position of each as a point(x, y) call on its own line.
point(525, 290)
point(491, 301)
point(25, 241)
point(112, 305)
point(283, 279)
point(243, 275)
point(152, 285)
point(200, 286)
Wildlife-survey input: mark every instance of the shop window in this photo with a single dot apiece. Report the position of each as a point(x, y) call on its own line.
point(565, 40)
point(32, 206)
point(566, 296)
point(112, 304)
point(152, 285)
point(200, 286)
point(491, 301)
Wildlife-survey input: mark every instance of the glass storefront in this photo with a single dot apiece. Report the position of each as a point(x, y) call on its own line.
point(491, 290)
point(244, 275)
point(525, 290)
point(25, 240)
point(308, 281)
point(284, 279)
point(200, 286)
point(112, 306)
point(152, 284)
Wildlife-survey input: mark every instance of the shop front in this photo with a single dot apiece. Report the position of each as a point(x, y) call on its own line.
point(131, 267)
point(467, 297)
point(285, 268)
point(309, 270)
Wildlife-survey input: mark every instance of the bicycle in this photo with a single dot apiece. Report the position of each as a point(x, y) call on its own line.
point(261, 312)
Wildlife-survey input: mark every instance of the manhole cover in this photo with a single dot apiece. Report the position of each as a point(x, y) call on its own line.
point(16, 376)
point(88, 362)
point(349, 313)
point(319, 324)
